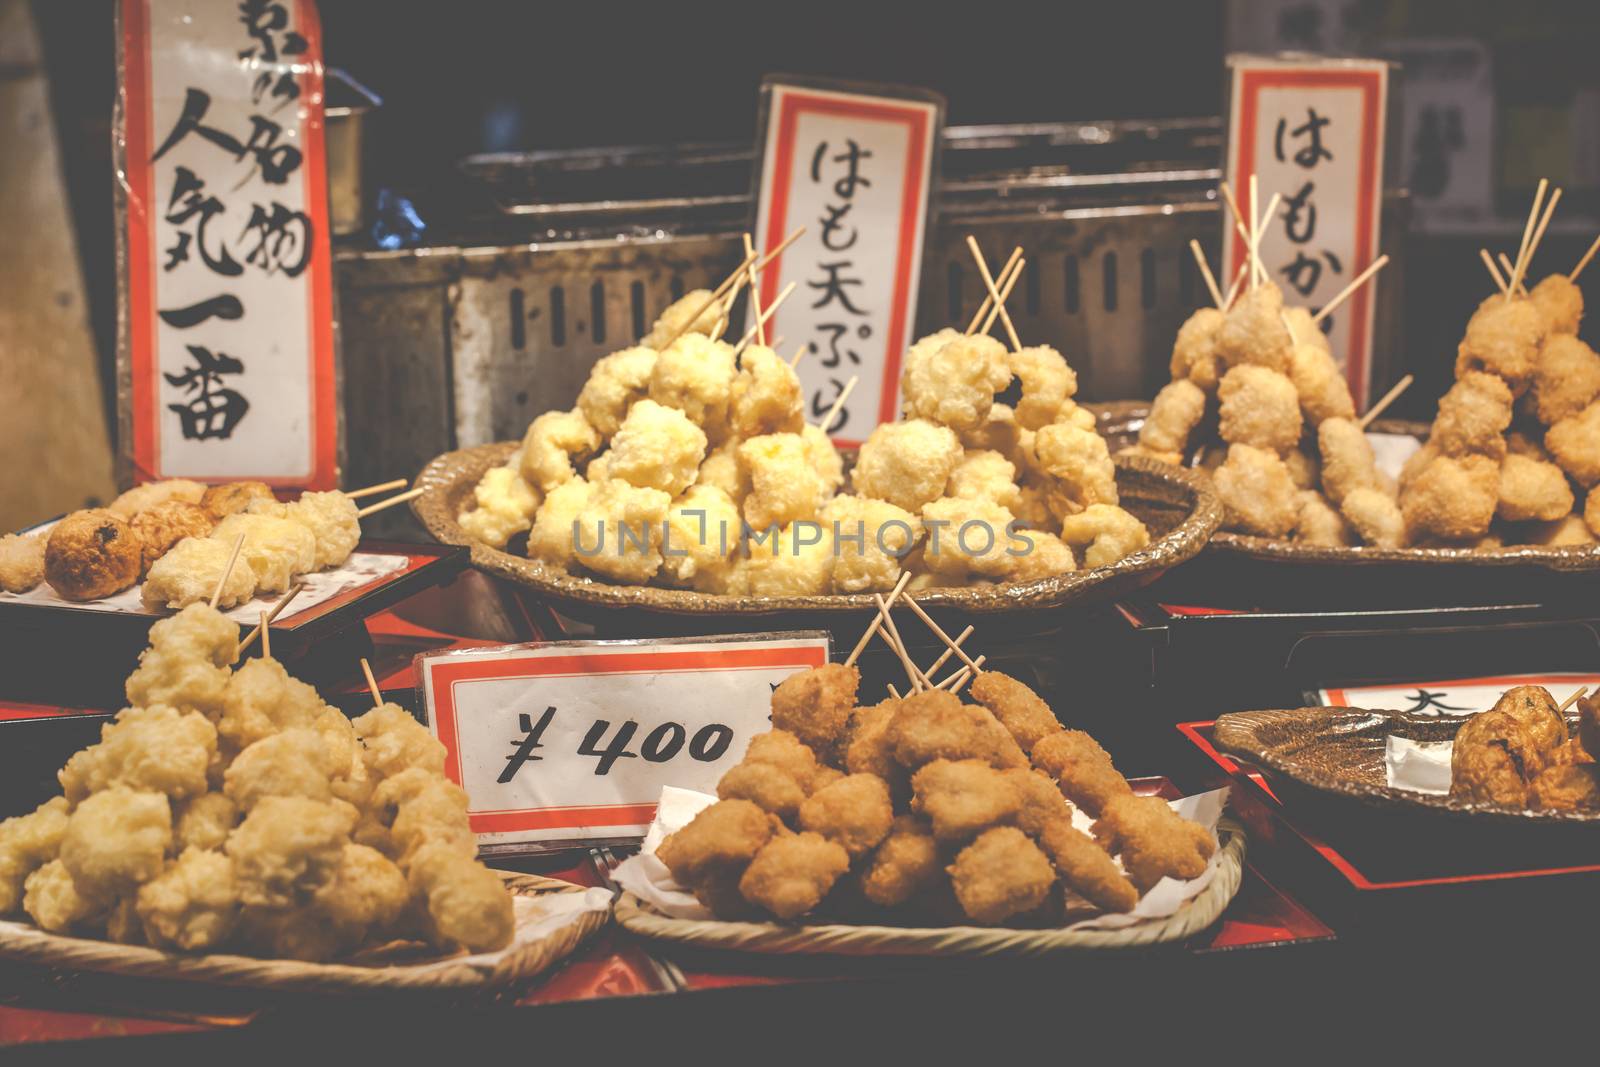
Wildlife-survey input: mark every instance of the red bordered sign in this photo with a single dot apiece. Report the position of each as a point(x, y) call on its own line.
point(227, 353)
point(1453, 697)
point(1312, 131)
point(575, 741)
point(855, 168)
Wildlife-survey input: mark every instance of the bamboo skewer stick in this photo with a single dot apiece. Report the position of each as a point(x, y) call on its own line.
point(1233, 289)
point(1507, 266)
point(961, 683)
point(381, 487)
point(1261, 233)
point(763, 317)
point(919, 681)
point(1527, 235)
point(372, 683)
point(1349, 290)
point(939, 630)
point(737, 277)
point(1000, 279)
point(372, 509)
point(955, 676)
point(905, 661)
point(1005, 294)
point(947, 653)
point(1255, 204)
point(893, 691)
point(1494, 271)
point(1544, 224)
point(1573, 699)
point(755, 290)
point(1205, 273)
point(838, 404)
point(799, 355)
point(216, 594)
point(1594, 247)
point(249, 638)
point(266, 635)
point(994, 292)
point(1239, 224)
point(1388, 398)
point(872, 628)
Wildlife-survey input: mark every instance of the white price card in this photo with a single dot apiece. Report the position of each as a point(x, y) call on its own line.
point(855, 168)
point(1454, 697)
point(1312, 131)
point(574, 741)
point(227, 351)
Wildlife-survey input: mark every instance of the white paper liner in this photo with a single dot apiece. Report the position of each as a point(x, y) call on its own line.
point(1418, 766)
point(647, 878)
point(536, 917)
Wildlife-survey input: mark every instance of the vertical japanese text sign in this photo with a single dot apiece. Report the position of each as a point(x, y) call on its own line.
point(226, 350)
point(1312, 131)
point(854, 165)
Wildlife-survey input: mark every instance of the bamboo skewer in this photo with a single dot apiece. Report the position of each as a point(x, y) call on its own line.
point(872, 628)
point(755, 290)
point(958, 676)
point(372, 509)
point(1544, 224)
point(729, 282)
point(838, 404)
point(1239, 225)
point(1233, 289)
point(893, 691)
point(919, 681)
point(266, 635)
point(372, 683)
point(1388, 398)
point(1349, 290)
point(799, 355)
point(763, 317)
point(1005, 294)
point(1205, 273)
point(931, 670)
point(1594, 246)
point(1573, 699)
point(1494, 272)
point(216, 594)
point(994, 292)
point(381, 487)
point(1255, 203)
point(961, 683)
point(249, 638)
point(1507, 266)
point(1527, 236)
point(1000, 279)
point(939, 630)
point(1261, 232)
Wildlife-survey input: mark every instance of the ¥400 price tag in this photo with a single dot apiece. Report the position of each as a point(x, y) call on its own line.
point(574, 741)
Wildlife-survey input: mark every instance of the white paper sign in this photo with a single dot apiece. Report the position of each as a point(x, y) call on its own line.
point(1457, 697)
point(855, 171)
point(575, 741)
point(1447, 151)
point(228, 307)
point(1312, 131)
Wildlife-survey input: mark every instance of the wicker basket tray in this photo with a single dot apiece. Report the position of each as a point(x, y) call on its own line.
point(838, 939)
point(1178, 506)
point(382, 972)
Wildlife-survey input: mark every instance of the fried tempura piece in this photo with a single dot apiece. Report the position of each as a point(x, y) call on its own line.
point(1040, 801)
point(1570, 787)
point(906, 863)
point(1591, 513)
point(21, 562)
point(785, 752)
point(814, 705)
point(1574, 442)
point(116, 840)
point(506, 504)
point(625, 522)
point(657, 447)
point(796, 560)
point(1019, 709)
point(1376, 518)
point(695, 375)
point(1001, 874)
point(615, 384)
point(985, 475)
point(261, 700)
point(52, 900)
point(1319, 383)
point(186, 665)
point(189, 572)
point(276, 550)
point(1042, 556)
point(1503, 338)
point(367, 893)
point(422, 808)
point(287, 845)
point(765, 786)
point(193, 904)
point(725, 836)
point(854, 811)
point(954, 384)
point(289, 764)
point(1175, 412)
point(825, 458)
point(871, 538)
point(1104, 533)
point(151, 494)
point(962, 798)
point(1572, 530)
point(1080, 464)
point(1048, 383)
point(1194, 352)
point(1348, 462)
point(164, 525)
point(721, 469)
point(1560, 302)
point(907, 463)
point(766, 395)
point(468, 904)
point(969, 536)
point(551, 539)
point(784, 486)
point(701, 533)
point(791, 874)
point(1153, 840)
point(1087, 868)
point(675, 319)
point(1453, 499)
point(936, 725)
point(233, 497)
point(393, 741)
point(92, 554)
point(1494, 760)
point(1320, 522)
point(1566, 378)
point(1533, 489)
point(156, 749)
point(1259, 407)
point(1082, 768)
point(28, 842)
point(203, 822)
point(1253, 332)
point(1258, 492)
point(1473, 416)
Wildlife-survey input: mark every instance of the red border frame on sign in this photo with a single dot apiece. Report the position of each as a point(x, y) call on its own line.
point(791, 103)
point(144, 363)
point(443, 677)
point(1576, 677)
point(1251, 82)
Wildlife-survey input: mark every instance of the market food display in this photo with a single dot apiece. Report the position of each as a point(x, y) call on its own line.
point(233, 810)
point(1510, 459)
point(1518, 754)
point(688, 463)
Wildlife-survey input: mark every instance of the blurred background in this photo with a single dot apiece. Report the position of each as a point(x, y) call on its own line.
point(469, 122)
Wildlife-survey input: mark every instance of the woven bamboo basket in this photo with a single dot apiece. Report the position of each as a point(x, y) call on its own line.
point(636, 916)
point(379, 970)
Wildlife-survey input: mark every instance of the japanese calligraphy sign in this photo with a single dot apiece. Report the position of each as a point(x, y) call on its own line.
point(1456, 697)
point(573, 741)
point(855, 168)
point(1312, 131)
point(227, 351)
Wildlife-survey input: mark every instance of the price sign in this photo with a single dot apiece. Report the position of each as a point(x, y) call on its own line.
point(227, 353)
point(574, 741)
point(1312, 131)
point(1456, 697)
point(1447, 152)
point(854, 166)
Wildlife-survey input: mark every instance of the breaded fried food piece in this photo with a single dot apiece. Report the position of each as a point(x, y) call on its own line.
point(151, 494)
point(985, 475)
point(193, 904)
point(156, 749)
point(905, 863)
point(1048, 383)
point(1503, 338)
point(1079, 465)
point(1046, 555)
point(764, 785)
point(969, 537)
point(1001, 874)
point(1532, 489)
point(1566, 379)
point(814, 705)
point(1473, 416)
point(275, 549)
point(287, 846)
point(795, 560)
point(1453, 499)
point(784, 486)
point(625, 522)
point(961, 798)
point(791, 874)
point(28, 842)
point(1253, 331)
point(550, 539)
point(766, 395)
point(1574, 442)
point(92, 554)
point(1194, 351)
point(1019, 709)
point(1086, 868)
point(1104, 533)
point(393, 741)
point(954, 385)
point(164, 525)
point(1321, 523)
point(1319, 383)
point(21, 562)
point(1174, 413)
point(936, 725)
point(872, 538)
point(676, 320)
point(191, 570)
point(725, 836)
point(1259, 407)
point(204, 821)
point(907, 463)
point(1348, 462)
point(1494, 760)
point(870, 746)
point(784, 751)
point(469, 906)
point(1560, 301)
point(695, 375)
point(1153, 840)
point(1568, 787)
point(52, 900)
point(1082, 768)
point(186, 665)
point(824, 456)
point(505, 506)
point(1040, 800)
point(1588, 725)
point(1258, 492)
point(284, 765)
point(1535, 709)
point(615, 384)
point(233, 497)
point(855, 811)
point(552, 446)
point(1375, 517)
point(657, 447)
point(116, 840)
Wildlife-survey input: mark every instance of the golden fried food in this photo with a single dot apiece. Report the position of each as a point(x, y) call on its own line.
point(792, 873)
point(784, 486)
point(1048, 383)
point(815, 705)
point(853, 811)
point(203, 822)
point(985, 475)
point(155, 749)
point(186, 665)
point(1079, 465)
point(553, 444)
point(695, 375)
point(164, 525)
point(1569, 787)
point(1086, 868)
point(1574, 442)
point(1019, 709)
point(905, 863)
point(1494, 760)
point(871, 538)
point(700, 536)
point(936, 725)
point(28, 842)
point(1588, 724)
point(289, 764)
point(1319, 383)
point(1194, 352)
point(1253, 332)
point(468, 906)
point(1174, 414)
point(766, 786)
point(766, 395)
point(614, 385)
point(287, 845)
point(1535, 709)
point(21, 562)
point(1041, 555)
point(193, 904)
point(1348, 462)
point(1375, 517)
point(657, 447)
point(1259, 407)
point(276, 550)
point(726, 835)
point(1258, 492)
point(624, 522)
point(795, 560)
point(505, 506)
point(92, 554)
point(192, 570)
point(825, 458)
point(1560, 302)
point(116, 840)
point(962, 798)
point(550, 540)
point(676, 319)
point(1453, 499)
point(150, 494)
point(907, 463)
point(1040, 802)
point(1566, 379)
point(1083, 770)
point(1591, 513)
point(1104, 534)
point(1473, 416)
point(1503, 338)
point(1533, 489)
point(1153, 841)
point(969, 536)
point(393, 741)
point(52, 900)
point(1320, 522)
point(1001, 874)
point(954, 384)
point(233, 497)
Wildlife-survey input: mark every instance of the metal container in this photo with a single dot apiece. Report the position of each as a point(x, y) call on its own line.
point(572, 255)
point(349, 104)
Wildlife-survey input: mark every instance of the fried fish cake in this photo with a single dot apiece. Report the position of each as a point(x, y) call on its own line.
point(1494, 760)
point(92, 554)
